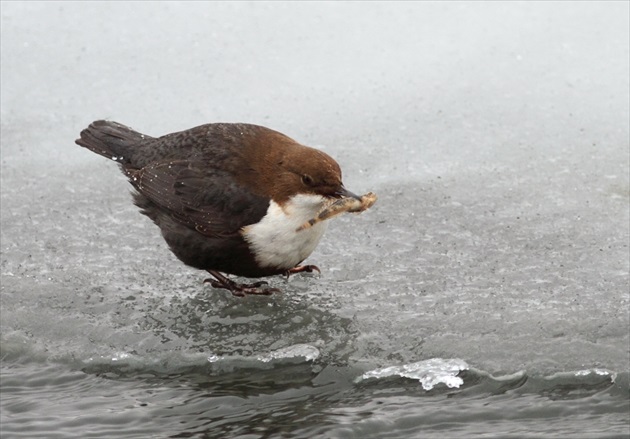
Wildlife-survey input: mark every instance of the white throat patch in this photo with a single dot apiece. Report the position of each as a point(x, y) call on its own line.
point(275, 241)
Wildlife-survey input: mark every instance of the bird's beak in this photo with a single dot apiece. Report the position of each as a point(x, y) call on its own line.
point(344, 193)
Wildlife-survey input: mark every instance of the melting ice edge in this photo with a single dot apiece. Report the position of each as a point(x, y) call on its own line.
point(430, 373)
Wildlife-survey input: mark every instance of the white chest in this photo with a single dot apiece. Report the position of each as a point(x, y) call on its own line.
point(275, 240)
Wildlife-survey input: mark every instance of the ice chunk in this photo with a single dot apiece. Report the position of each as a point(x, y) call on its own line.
point(587, 372)
point(428, 372)
point(306, 351)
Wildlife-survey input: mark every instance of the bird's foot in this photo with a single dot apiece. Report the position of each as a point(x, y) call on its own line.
point(302, 269)
point(239, 290)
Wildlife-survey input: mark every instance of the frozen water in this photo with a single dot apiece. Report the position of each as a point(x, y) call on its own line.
point(501, 230)
point(304, 351)
point(595, 371)
point(428, 372)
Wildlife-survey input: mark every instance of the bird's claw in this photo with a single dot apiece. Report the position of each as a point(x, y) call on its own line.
point(302, 269)
point(241, 290)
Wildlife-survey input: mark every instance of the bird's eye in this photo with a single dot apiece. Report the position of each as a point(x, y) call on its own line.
point(307, 180)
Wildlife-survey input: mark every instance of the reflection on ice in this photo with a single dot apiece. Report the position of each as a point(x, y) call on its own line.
point(297, 351)
point(121, 356)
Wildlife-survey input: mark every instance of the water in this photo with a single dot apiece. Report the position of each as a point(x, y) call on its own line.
point(303, 400)
point(484, 295)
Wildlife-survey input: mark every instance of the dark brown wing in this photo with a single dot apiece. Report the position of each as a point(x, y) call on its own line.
point(205, 199)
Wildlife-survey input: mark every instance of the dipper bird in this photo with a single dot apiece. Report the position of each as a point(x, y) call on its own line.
point(227, 197)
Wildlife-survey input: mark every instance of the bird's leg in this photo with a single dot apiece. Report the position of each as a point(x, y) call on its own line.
point(301, 269)
point(239, 290)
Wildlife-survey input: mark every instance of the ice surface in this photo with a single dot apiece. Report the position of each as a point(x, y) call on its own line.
point(495, 135)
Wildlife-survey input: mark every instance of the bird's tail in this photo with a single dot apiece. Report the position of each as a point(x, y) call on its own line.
point(111, 140)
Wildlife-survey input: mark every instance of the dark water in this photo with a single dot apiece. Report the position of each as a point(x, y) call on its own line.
point(297, 399)
point(486, 294)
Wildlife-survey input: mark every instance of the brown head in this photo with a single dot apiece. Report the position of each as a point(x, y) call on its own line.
point(281, 168)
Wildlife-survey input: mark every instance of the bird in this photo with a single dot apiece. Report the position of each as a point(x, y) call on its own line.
point(228, 198)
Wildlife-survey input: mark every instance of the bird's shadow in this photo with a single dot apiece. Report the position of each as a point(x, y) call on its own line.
point(215, 322)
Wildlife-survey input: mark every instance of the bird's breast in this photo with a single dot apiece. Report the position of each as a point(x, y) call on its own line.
point(275, 241)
